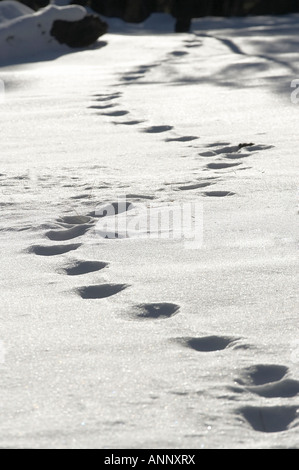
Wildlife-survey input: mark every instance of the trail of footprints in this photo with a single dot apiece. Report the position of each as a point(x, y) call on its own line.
point(75, 227)
point(107, 105)
point(222, 157)
point(267, 381)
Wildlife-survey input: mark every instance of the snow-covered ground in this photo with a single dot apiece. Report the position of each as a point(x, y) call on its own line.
point(144, 342)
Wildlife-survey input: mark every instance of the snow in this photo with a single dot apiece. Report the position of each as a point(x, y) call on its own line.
point(9, 10)
point(141, 340)
point(24, 34)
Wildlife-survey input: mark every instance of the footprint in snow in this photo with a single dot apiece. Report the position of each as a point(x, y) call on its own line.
point(208, 153)
point(63, 235)
point(75, 220)
point(207, 343)
point(221, 165)
point(226, 148)
point(218, 144)
point(155, 311)
point(103, 106)
point(186, 138)
point(229, 151)
point(266, 381)
point(119, 113)
point(189, 187)
point(129, 123)
point(218, 193)
point(179, 53)
point(100, 291)
point(131, 77)
point(140, 196)
point(195, 44)
point(107, 96)
point(53, 250)
point(157, 129)
point(261, 374)
point(283, 389)
point(269, 419)
point(80, 268)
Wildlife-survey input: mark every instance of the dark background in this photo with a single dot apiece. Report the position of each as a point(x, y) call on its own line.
point(139, 10)
point(136, 11)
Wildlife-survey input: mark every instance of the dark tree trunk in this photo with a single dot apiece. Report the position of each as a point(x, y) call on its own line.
point(275, 7)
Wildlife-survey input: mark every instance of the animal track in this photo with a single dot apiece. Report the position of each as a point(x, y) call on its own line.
point(284, 388)
point(218, 193)
point(75, 220)
point(131, 78)
point(267, 381)
point(192, 43)
point(195, 186)
point(157, 129)
point(269, 419)
point(179, 53)
point(84, 267)
point(129, 123)
point(240, 146)
point(221, 165)
point(53, 250)
point(207, 343)
point(187, 138)
point(217, 144)
point(228, 149)
point(261, 374)
point(140, 196)
point(232, 148)
point(62, 235)
point(103, 106)
point(107, 96)
point(231, 152)
point(156, 311)
point(116, 113)
point(100, 291)
point(209, 153)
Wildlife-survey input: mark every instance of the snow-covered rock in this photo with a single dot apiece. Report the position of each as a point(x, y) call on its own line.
point(78, 34)
point(25, 33)
point(9, 10)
